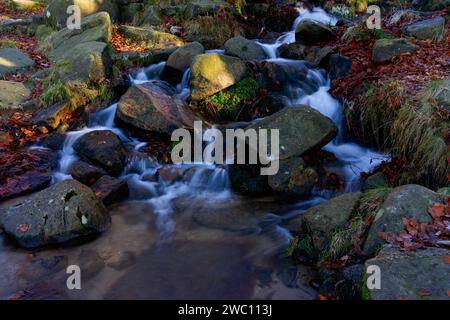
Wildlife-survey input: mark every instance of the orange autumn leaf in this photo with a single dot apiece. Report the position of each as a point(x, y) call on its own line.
point(23, 227)
point(446, 259)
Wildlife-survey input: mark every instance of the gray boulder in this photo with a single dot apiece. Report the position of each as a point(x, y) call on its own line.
point(311, 32)
point(432, 29)
point(211, 73)
point(13, 60)
point(320, 222)
point(384, 50)
point(12, 94)
point(244, 49)
point(180, 60)
point(66, 211)
point(409, 201)
point(418, 275)
point(301, 128)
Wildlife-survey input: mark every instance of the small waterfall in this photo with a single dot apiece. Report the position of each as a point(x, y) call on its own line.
point(152, 72)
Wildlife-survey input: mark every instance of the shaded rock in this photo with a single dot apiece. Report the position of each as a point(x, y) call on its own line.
point(12, 94)
point(52, 116)
point(211, 73)
point(86, 173)
point(351, 286)
point(312, 32)
point(376, 180)
point(278, 74)
point(180, 60)
point(320, 222)
point(418, 275)
point(151, 17)
point(205, 7)
point(339, 66)
point(110, 190)
point(64, 212)
point(25, 183)
point(57, 9)
point(146, 107)
point(257, 9)
point(54, 141)
point(294, 51)
point(102, 148)
point(409, 201)
point(169, 174)
point(432, 29)
point(247, 180)
point(294, 122)
point(13, 60)
point(244, 49)
point(294, 178)
point(443, 97)
point(384, 50)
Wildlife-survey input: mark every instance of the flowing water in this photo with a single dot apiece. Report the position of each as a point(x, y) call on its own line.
point(189, 239)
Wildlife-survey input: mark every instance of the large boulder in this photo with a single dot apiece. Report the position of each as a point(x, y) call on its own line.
point(384, 50)
point(432, 29)
point(301, 129)
point(244, 49)
point(294, 178)
point(180, 60)
point(418, 275)
point(84, 50)
point(320, 222)
point(409, 201)
point(211, 73)
point(151, 37)
point(13, 60)
point(12, 94)
point(311, 32)
point(66, 211)
point(57, 9)
point(146, 107)
point(102, 148)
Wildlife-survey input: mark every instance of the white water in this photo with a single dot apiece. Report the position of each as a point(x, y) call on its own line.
point(208, 182)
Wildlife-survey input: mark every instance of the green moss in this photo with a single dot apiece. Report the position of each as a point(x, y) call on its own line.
point(7, 44)
point(365, 293)
point(227, 102)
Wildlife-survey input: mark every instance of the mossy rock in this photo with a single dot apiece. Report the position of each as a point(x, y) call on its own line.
point(244, 49)
point(384, 50)
point(12, 94)
point(151, 37)
point(211, 73)
point(13, 60)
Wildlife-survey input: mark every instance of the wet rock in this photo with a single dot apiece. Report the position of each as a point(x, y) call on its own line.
point(25, 183)
point(294, 178)
point(102, 148)
point(297, 121)
point(432, 29)
point(54, 141)
point(247, 180)
point(351, 286)
point(57, 9)
point(211, 73)
point(311, 32)
point(169, 174)
point(147, 107)
point(418, 275)
point(67, 211)
point(180, 60)
point(339, 66)
point(110, 189)
point(384, 50)
point(244, 49)
point(86, 173)
point(277, 75)
point(320, 222)
point(12, 94)
point(13, 60)
point(409, 201)
point(294, 51)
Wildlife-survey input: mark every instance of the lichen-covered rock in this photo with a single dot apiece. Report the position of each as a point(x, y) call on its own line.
point(294, 178)
point(153, 38)
point(66, 211)
point(244, 49)
point(320, 222)
point(12, 94)
point(301, 129)
point(416, 275)
point(57, 9)
point(103, 148)
point(211, 73)
point(311, 32)
point(180, 60)
point(384, 50)
point(409, 201)
point(432, 29)
point(13, 60)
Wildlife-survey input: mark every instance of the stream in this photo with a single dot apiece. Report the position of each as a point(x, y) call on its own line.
point(190, 239)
